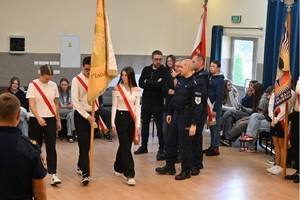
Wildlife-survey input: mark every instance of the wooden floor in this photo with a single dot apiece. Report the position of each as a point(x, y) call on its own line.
point(232, 175)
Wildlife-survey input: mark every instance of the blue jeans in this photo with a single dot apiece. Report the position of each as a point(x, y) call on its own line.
point(257, 123)
point(231, 116)
point(157, 111)
point(215, 132)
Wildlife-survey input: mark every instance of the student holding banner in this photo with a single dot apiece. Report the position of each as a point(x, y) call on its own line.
point(125, 121)
point(44, 119)
point(83, 119)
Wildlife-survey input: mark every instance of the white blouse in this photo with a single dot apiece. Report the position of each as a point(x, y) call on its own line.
point(134, 99)
point(51, 92)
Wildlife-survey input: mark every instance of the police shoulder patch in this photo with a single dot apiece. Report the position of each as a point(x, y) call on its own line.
point(197, 100)
point(33, 142)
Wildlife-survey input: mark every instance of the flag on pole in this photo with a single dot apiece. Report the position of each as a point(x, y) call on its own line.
point(283, 76)
point(200, 43)
point(103, 63)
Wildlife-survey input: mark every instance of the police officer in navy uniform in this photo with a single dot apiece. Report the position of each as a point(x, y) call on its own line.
point(22, 171)
point(184, 114)
point(203, 82)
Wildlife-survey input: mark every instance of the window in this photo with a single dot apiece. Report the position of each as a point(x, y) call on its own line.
point(243, 60)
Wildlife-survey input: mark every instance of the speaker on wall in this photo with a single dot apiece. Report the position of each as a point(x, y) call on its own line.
point(17, 44)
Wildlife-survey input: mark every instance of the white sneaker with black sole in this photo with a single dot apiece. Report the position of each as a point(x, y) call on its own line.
point(55, 180)
point(85, 180)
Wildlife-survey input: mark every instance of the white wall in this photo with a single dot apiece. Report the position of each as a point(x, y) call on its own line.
point(137, 26)
point(253, 15)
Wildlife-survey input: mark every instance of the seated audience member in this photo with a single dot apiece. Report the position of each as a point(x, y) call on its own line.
point(231, 96)
point(242, 109)
point(66, 107)
point(21, 169)
point(259, 121)
point(14, 89)
point(277, 132)
point(241, 124)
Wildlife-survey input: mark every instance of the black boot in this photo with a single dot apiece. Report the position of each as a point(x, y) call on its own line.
point(169, 170)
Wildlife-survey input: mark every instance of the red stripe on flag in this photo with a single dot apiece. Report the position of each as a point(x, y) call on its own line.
point(200, 43)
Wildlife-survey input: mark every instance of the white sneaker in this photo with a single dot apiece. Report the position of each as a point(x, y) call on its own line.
point(277, 170)
point(55, 180)
point(131, 181)
point(118, 174)
point(85, 180)
point(269, 170)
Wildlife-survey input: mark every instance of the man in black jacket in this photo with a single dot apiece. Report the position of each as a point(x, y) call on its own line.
point(151, 81)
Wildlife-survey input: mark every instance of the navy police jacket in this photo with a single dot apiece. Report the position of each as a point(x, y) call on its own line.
point(187, 99)
point(203, 83)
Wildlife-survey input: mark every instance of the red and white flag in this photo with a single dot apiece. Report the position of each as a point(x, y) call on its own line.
point(200, 43)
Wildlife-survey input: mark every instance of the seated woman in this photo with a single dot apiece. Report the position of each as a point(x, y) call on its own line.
point(241, 125)
point(66, 107)
point(14, 88)
point(242, 109)
point(231, 96)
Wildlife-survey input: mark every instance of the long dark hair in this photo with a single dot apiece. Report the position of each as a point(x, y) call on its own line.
point(258, 92)
point(172, 58)
point(60, 89)
point(226, 91)
point(131, 77)
point(14, 79)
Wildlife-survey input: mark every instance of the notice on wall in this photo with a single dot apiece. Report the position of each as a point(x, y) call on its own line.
point(70, 51)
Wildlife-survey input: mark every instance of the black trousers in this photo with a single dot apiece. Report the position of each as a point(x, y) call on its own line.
point(125, 127)
point(47, 133)
point(179, 134)
point(294, 117)
point(198, 147)
point(83, 129)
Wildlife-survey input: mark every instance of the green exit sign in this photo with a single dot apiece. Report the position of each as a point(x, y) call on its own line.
point(236, 18)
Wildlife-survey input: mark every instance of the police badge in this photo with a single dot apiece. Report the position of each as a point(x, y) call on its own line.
point(197, 100)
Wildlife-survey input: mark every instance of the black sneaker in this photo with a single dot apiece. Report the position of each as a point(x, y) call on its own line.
point(160, 156)
point(213, 152)
point(108, 137)
point(182, 176)
point(70, 139)
point(226, 142)
point(168, 170)
point(206, 150)
point(195, 172)
point(141, 150)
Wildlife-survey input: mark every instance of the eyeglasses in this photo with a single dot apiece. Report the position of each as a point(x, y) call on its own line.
point(157, 59)
point(87, 69)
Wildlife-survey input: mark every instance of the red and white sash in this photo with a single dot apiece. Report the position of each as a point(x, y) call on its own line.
point(102, 125)
point(44, 98)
